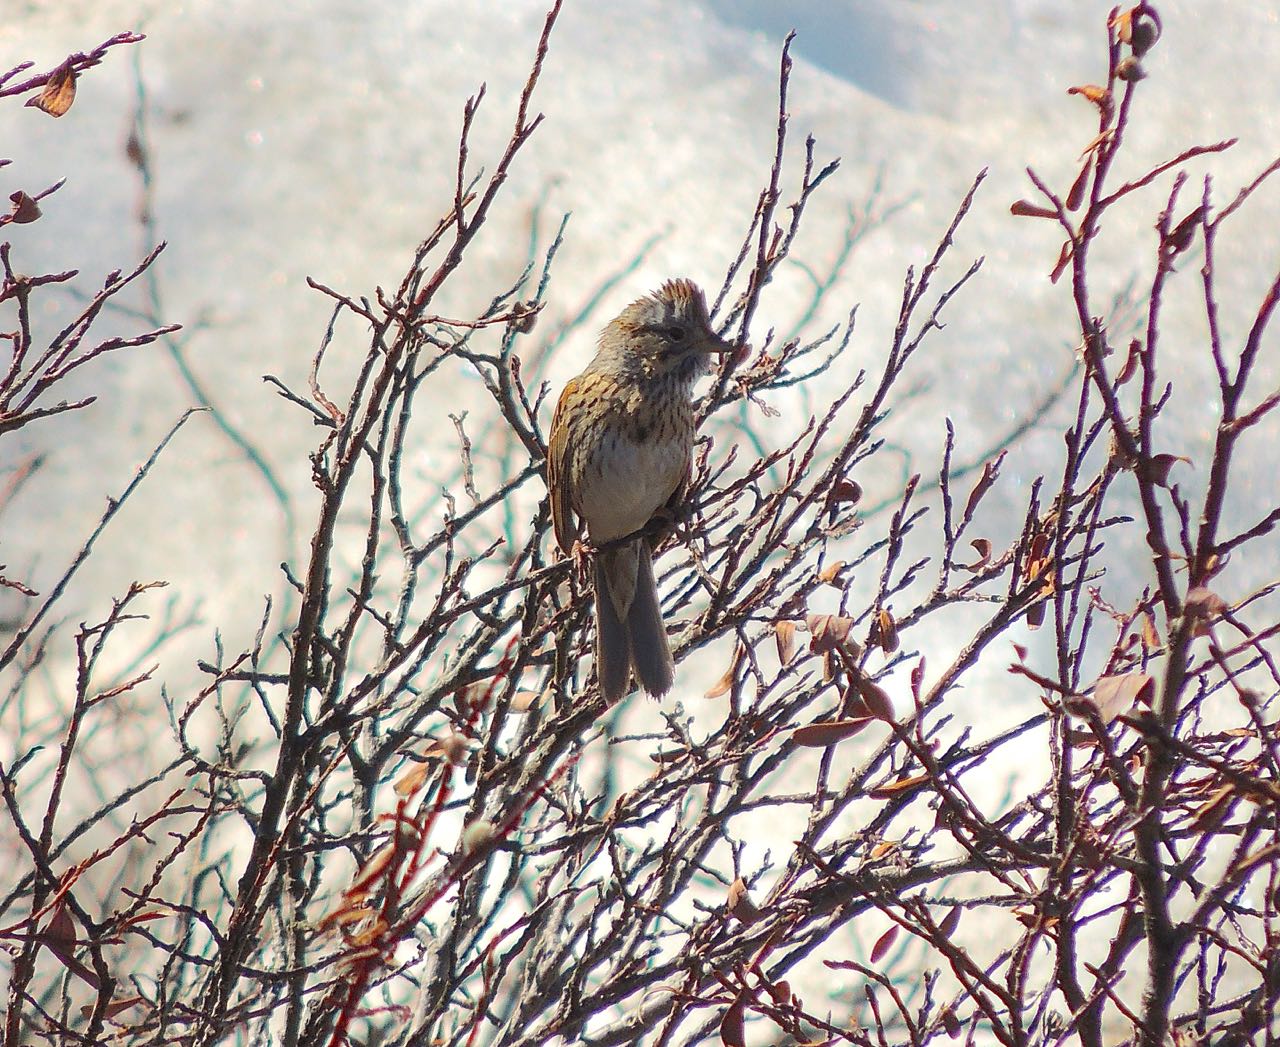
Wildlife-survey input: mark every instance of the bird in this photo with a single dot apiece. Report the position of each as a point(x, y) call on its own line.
point(620, 453)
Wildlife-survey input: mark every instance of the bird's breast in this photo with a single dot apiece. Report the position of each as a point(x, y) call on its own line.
point(627, 478)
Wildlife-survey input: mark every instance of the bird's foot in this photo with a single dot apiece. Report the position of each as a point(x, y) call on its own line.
point(581, 556)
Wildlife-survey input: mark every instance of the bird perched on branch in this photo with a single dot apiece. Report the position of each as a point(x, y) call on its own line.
point(621, 451)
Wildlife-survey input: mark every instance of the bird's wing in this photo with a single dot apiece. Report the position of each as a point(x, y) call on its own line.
point(558, 471)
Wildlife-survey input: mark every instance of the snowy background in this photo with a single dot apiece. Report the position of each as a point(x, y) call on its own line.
point(318, 139)
point(297, 139)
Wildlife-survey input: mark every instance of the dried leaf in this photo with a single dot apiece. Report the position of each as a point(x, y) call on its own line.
point(733, 1031)
point(1179, 238)
point(725, 683)
point(950, 1022)
point(882, 848)
point(59, 937)
point(1026, 209)
point(982, 546)
point(411, 783)
point(884, 943)
point(1096, 141)
point(473, 697)
point(884, 631)
point(114, 1007)
point(820, 735)
point(25, 209)
point(847, 491)
point(1113, 695)
point(899, 785)
point(1099, 96)
point(829, 575)
point(876, 697)
point(59, 91)
point(1075, 196)
point(1157, 470)
point(1035, 614)
point(1204, 603)
point(1064, 257)
point(740, 905)
point(525, 701)
point(990, 471)
point(827, 632)
point(372, 870)
point(784, 635)
point(1214, 811)
point(454, 747)
point(1130, 367)
point(780, 991)
point(951, 922)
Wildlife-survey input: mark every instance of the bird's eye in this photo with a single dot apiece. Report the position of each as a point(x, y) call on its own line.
point(673, 333)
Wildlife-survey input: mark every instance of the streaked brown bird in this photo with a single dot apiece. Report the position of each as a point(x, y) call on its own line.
point(621, 449)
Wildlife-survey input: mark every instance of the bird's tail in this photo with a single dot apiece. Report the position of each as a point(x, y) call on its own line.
point(629, 628)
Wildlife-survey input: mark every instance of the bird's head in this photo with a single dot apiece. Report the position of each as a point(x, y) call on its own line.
point(667, 332)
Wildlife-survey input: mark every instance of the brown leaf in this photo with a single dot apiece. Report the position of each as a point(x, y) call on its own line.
point(725, 683)
point(733, 1030)
point(114, 1007)
point(25, 209)
point(411, 783)
point(59, 937)
point(876, 697)
point(372, 870)
point(59, 91)
point(1075, 196)
point(525, 701)
point(1099, 96)
point(982, 546)
point(820, 735)
point(1130, 367)
point(1035, 614)
point(1113, 695)
point(827, 632)
point(1157, 470)
point(1179, 238)
point(1213, 812)
point(884, 631)
point(784, 635)
point(780, 991)
point(950, 1022)
point(829, 575)
point(1026, 209)
point(884, 943)
point(990, 471)
point(882, 848)
point(882, 792)
point(454, 747)
point(845, 490)
point(1064, 258)
point(739, 903)
point(1203, 602)
point(951, 922)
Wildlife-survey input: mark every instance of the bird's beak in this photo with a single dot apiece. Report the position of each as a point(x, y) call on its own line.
point(713, 345)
